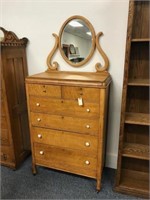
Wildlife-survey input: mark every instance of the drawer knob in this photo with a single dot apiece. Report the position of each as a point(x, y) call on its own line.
point(38, 119)
point(39, 136)
point(41, 152)
point(87, 144)
point(87, 126)
point(87, 162)
point(88, 110)
point(37, 104)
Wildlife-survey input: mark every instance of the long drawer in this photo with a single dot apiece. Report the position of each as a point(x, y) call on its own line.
point(65, 159)
point(65, 92)
point(63, 107)
point(65, 123)
point(63, 139)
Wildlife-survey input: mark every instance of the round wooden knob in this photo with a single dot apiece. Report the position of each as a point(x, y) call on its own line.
point(38, 119)
point(41, 152)
point(87, 162)
point(37, 104)
point(39, 136)
point(88, 110)
point(87, 144)
point(87, 126)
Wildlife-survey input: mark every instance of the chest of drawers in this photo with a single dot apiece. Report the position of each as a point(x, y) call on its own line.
point(67, 112)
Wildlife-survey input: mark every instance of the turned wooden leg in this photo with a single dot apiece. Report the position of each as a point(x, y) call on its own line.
point(34, 170)
point(98, 185)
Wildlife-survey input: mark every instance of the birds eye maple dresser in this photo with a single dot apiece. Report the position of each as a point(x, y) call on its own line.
point(67, 112)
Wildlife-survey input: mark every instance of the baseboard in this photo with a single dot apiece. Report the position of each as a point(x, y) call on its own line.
point(111, 160)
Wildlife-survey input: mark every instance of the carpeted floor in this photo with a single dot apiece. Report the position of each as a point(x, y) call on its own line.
point(51, 184)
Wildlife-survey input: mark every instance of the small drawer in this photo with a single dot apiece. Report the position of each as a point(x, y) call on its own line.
point(65, 159)
point(73, 124)
point(88, 94)
point(63, 107)
point(44, 90)
point(62, 139)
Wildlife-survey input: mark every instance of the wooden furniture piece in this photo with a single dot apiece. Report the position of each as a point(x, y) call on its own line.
point(15, 142)
point(133, 157)
point(67, 112)
point(65, 135)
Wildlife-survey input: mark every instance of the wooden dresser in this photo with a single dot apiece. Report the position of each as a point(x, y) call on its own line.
point(14, 138)
point(67, 112)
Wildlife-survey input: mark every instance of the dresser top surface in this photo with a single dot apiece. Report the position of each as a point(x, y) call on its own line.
point(63, 77)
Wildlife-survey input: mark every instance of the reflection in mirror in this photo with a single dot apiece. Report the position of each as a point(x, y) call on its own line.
point(76, 40)
point(1, 36)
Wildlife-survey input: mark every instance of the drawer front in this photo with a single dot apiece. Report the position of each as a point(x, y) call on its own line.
point(65, 123)
point(44, 90)
point(87, 94)
point(65, 159)
point(62, 139)
point(63, 107)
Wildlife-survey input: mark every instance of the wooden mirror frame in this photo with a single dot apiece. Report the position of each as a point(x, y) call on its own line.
point(89, 25)
point(95, 42)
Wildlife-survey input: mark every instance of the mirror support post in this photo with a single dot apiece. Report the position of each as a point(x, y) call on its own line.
point(54, 65)
point(98, 66)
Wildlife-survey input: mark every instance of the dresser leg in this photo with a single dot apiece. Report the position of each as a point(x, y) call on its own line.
point(98, 185)
point(34, 170)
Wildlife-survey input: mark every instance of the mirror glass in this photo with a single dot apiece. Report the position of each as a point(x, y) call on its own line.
point(76, 41)
point(1, 36)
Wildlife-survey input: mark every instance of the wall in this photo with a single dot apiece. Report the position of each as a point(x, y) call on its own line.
point(37, 20)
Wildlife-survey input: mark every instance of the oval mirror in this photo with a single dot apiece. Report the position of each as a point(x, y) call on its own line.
point(77, 41)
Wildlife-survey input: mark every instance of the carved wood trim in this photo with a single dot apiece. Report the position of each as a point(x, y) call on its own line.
point(98, 66)
point(11, 39)
point(54, 65)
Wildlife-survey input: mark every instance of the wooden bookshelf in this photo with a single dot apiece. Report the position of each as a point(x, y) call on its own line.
point(133, 187)
point(141, 40)
point(139, 82)
point(138, 151)
point(132, 175)
point(137, 118)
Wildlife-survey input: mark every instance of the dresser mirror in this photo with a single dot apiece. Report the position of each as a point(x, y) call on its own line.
point(76, 43)
point(77, 40)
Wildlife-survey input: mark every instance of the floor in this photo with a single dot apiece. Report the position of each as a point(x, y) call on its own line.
point(52, 184)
